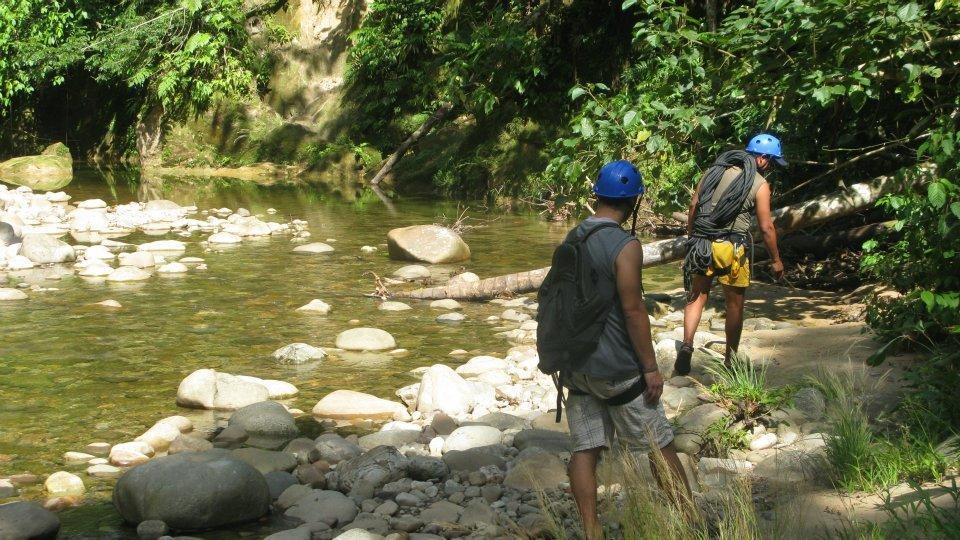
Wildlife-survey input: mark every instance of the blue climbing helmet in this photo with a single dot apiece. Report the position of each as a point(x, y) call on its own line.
point(765, 144)
point(619, 180)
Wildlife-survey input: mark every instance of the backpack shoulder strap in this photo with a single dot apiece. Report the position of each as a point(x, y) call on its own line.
point(601, 225)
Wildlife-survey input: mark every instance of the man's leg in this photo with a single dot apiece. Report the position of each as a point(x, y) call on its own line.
point(583, 484)
point(673, 466)
point(734, 322)
point(696, 301)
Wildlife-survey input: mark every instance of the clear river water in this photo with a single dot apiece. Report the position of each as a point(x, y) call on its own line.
point(72, 373)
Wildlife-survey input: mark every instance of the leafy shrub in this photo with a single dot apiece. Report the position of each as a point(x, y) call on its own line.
point(920, 259)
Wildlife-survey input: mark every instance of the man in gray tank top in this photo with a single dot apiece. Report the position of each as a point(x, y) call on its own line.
point(623, 360)
point(730, 262)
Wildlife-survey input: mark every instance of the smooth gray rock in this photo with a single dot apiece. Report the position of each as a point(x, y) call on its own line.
point(474, 459)
point(230, 437)
point(268, 424)
point(477, 512)
point(278, 482)
point(193, 491)
point(300, 533)
point(43, 249)
point(427, 468)
point(291, 495)
point(540, 471)
point(329, 507)
point(407, 524)
point(298, 353)
point(189, 443)
point(467, 437)
point(304, 449)
point(377, 467)
point(370, 523)
point(8, 235)
point(499, 420)
point(333, 448)
point(27, 520)
point(551, 441)
point(394, 437)
point(442, 511)
point(265, 460)
point(810, 402)
point(443, 424)
point(152, 529)
point(699, 418)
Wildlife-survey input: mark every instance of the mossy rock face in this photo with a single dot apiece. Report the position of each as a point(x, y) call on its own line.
point(52, 169)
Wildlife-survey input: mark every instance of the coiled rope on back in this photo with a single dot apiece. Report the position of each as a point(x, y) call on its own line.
point(711, 222)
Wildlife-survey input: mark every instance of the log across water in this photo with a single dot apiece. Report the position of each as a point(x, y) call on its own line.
point(806, 214)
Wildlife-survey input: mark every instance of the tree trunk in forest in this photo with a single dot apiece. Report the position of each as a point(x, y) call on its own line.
point(711, 9)
point(149, 130)
point(813, 212)
point(398, 154)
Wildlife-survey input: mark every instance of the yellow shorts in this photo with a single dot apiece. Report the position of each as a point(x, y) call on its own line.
point(730, 265)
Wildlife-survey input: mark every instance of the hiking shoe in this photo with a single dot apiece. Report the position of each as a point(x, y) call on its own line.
point(682, 365)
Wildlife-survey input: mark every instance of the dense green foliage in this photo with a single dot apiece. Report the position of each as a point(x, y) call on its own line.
point(138, 57)
point(853, 92)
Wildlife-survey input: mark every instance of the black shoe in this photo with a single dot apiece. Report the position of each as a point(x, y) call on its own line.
point(682, 365)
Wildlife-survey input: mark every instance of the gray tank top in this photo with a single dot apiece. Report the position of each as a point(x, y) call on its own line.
point(744, 219)
point(614, 357)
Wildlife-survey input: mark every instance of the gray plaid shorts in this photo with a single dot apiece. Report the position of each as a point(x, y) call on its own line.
point(593, 423)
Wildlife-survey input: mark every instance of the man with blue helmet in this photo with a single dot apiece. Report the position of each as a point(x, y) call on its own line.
point(617, 388)
point(719, 221)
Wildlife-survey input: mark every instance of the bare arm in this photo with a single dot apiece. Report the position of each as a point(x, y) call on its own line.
point(629, 269)
point(769, 231)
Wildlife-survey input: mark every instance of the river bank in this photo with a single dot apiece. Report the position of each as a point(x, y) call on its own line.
point(126, 363)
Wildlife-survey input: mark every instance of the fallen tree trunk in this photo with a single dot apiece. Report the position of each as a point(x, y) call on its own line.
point(825, 243)
point(424, 128)
point(813, 212)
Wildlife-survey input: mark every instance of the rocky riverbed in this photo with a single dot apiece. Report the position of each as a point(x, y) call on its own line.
point(463, 448)
point(462, 452)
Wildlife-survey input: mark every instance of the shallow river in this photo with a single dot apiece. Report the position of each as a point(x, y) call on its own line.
point(71, 374)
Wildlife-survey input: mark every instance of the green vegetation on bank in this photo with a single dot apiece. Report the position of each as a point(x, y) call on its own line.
point(854, 92)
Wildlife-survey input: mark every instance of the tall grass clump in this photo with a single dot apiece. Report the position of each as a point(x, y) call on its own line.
point(637, 509)
point(743, 389)
point(865, 457)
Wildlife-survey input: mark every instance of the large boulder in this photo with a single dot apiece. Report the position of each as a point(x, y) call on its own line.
point(51, 170)
point(193, 491)
point(427, 243)
point(365, 339)
point(44, 249)
point(268, 424)
point(442, 389)
point(27, 520)
point(373, 469)
point(208, 389)
point(266, 461)
point(350, 405)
